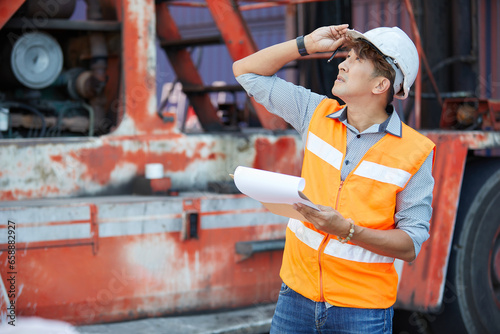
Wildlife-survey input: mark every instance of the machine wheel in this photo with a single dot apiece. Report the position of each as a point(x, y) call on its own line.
point(471, 301)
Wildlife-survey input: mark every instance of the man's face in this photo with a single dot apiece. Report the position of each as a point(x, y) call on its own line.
point(355, 78)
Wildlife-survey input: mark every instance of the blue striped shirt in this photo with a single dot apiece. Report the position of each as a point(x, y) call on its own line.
point(296, 105)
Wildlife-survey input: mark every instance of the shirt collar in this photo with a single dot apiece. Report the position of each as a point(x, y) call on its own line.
point(391, 125)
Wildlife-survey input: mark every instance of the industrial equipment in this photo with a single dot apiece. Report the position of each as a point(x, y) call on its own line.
point(121, 203)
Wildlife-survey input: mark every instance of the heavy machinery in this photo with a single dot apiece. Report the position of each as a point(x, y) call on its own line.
point(113, 211)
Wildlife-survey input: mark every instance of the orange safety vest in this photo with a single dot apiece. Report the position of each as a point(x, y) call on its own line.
point(316, 264)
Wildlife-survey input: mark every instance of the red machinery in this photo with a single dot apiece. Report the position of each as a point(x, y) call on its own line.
point(93, 246)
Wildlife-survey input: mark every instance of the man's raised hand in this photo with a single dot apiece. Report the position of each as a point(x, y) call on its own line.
point(326, 39)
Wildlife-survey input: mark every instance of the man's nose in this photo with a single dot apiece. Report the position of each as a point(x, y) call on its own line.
point(343, 66)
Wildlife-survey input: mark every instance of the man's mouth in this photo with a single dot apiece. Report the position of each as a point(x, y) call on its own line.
point(339, 78)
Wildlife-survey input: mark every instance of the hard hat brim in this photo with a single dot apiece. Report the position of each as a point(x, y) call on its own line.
point(354, 34)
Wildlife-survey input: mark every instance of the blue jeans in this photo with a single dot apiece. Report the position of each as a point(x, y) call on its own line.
point(296, 314)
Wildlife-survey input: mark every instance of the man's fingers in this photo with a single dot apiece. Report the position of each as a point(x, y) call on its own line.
point(337, 43)
point(300, 207)
point(311, 214)
point(339, 30)
point(303, 209)
point(325, 208)
point(341, 26)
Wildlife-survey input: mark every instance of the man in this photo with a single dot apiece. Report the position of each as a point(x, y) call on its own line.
point(369, 173)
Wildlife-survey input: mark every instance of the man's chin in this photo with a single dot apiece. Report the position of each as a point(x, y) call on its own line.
point(337, 92)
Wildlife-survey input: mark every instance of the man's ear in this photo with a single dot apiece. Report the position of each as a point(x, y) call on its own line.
point(382, 85)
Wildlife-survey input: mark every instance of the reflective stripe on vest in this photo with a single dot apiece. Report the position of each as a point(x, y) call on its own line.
point(334, 247)
point(324, 151)
point(383, 173)
point(367, 169)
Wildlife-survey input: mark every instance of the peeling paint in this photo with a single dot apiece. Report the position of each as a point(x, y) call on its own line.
point(92, 166)
point(277, 155)
point(148, 272)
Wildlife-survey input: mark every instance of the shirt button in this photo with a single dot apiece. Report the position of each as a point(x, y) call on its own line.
point(347, 162)
point(358, 136)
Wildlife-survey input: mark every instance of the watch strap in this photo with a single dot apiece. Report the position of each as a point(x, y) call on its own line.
point(301, 46)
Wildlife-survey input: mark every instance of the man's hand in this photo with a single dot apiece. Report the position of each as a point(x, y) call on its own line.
point(327, 219)
point(271, 59)
point(326, 39)
point(394, 242)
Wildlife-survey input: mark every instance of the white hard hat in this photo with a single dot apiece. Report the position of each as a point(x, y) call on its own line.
point(400, 52)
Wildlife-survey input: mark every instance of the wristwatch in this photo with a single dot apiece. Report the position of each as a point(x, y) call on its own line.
point(301, 46)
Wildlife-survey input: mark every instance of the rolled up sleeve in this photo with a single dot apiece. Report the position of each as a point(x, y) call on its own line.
point(413, 206)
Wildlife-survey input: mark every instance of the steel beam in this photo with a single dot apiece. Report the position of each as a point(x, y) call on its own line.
point(240, 44)
point(185, 69)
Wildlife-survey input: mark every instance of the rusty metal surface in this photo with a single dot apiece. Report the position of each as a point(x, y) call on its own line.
point(92, 166)
point(141, 267)
point(137, 103)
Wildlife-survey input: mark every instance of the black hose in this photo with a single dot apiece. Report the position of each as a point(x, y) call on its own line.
point(19, 105)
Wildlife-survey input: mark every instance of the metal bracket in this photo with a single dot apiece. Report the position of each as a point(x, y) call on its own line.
point(190, 224)
point(190, 219)
point(248, 248)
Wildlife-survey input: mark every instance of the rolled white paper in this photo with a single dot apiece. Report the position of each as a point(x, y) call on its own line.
point(270, 187)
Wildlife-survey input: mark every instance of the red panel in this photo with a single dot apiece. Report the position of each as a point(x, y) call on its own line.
point(101, 161)
point(7, 9)
point(422, 281)
point(122, 282)
point(278, 156)
point(240, 44)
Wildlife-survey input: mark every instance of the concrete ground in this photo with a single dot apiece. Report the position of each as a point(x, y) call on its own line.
point(254, 320)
